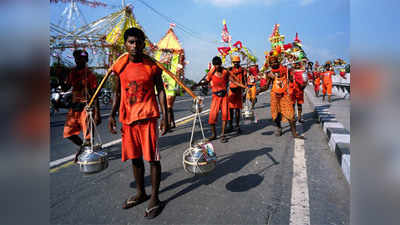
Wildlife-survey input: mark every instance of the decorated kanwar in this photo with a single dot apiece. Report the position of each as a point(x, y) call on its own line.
point(171, 54)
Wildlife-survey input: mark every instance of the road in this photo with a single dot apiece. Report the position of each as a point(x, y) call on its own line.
point(259, 178)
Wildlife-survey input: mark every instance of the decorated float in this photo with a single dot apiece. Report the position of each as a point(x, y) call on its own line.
point(170, 53)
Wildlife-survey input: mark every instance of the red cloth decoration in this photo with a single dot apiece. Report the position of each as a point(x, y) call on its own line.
point(224, 50)
point(238, 43)
point(287, 46)
point(297, 40)
point(225, 34)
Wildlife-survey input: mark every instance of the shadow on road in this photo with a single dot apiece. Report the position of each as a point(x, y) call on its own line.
point(231, 163)
point(309, 120)
point(248, 127)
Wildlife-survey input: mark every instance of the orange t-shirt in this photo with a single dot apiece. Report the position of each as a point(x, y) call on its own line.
point(239, 73)
point(327, 77)
point(280, 83)
point(81, 81)
point(316, 75)
point(138, 98)
point(218, 83)
point(298, 77)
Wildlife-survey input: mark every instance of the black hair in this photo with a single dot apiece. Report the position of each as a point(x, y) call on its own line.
point(216, 61)
point(135, 32)
point(81, 53)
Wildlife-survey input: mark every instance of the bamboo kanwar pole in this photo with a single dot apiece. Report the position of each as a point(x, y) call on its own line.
point(173, 76)
point(103, 81)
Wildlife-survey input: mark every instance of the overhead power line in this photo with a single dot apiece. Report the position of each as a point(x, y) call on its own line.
point(185, 29)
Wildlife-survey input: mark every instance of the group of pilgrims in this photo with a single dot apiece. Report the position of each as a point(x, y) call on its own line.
point(285, 77)
point(139, 85)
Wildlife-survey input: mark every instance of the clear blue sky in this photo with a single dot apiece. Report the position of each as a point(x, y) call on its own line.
point(323, 26)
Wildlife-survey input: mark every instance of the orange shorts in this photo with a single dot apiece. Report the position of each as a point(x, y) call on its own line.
point(317, 84)
point(140, 139)
point(327, 87)
point(76, 122)
point(251, 94)
point(217, 104)
point(298, 96)
point(235, 99)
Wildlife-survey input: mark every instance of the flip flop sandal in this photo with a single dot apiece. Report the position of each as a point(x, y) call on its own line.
point(131, 202)
point(223, 140)
point(153, 211)
point(300, 137)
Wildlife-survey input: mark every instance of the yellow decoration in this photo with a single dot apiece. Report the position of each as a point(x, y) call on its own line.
point(169, 41)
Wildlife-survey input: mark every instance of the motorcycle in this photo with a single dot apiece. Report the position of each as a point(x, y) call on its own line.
point(60, 99)
point(105, 96)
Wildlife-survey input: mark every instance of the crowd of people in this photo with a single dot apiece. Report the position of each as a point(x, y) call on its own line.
point(135, 100)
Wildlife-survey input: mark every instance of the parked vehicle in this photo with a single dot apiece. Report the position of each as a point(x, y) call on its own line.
point(60, 99)
point(105, 96)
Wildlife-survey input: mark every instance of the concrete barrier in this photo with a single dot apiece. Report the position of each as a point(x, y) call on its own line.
point(338, 137)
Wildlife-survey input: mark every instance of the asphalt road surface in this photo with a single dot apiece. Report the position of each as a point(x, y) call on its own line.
point(259, 178)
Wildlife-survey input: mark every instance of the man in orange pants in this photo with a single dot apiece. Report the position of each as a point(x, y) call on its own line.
point(317, 80)
point(136, 75)
point(298, 84)
point(218, 77)
point(252, 89)
point(235, 93)
point(281, 102)
point(83, 83)
point(326, 77)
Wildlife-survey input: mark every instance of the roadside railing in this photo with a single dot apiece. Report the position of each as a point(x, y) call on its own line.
point(341, 86)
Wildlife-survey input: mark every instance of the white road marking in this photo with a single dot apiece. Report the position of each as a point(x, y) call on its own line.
point(190, 99)
point(299, 206)
point(61, 161)
point(111, 143)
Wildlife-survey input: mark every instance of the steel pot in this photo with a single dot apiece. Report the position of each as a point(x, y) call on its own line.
point(199, 160)
point(247, 113)
point(92, 161)
point(200, 102)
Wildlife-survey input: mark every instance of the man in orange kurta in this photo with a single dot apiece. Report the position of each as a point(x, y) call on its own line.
point(252, 89)
point(281, 102)
point(317, 80)
point(218, 77)
point(298, 84)
point(83, 83)
point(136, 75)
point(235, 93)
point(326, 77)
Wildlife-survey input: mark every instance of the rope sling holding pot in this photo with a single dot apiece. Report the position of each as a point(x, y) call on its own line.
point(92, 160)
point(199, 158)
